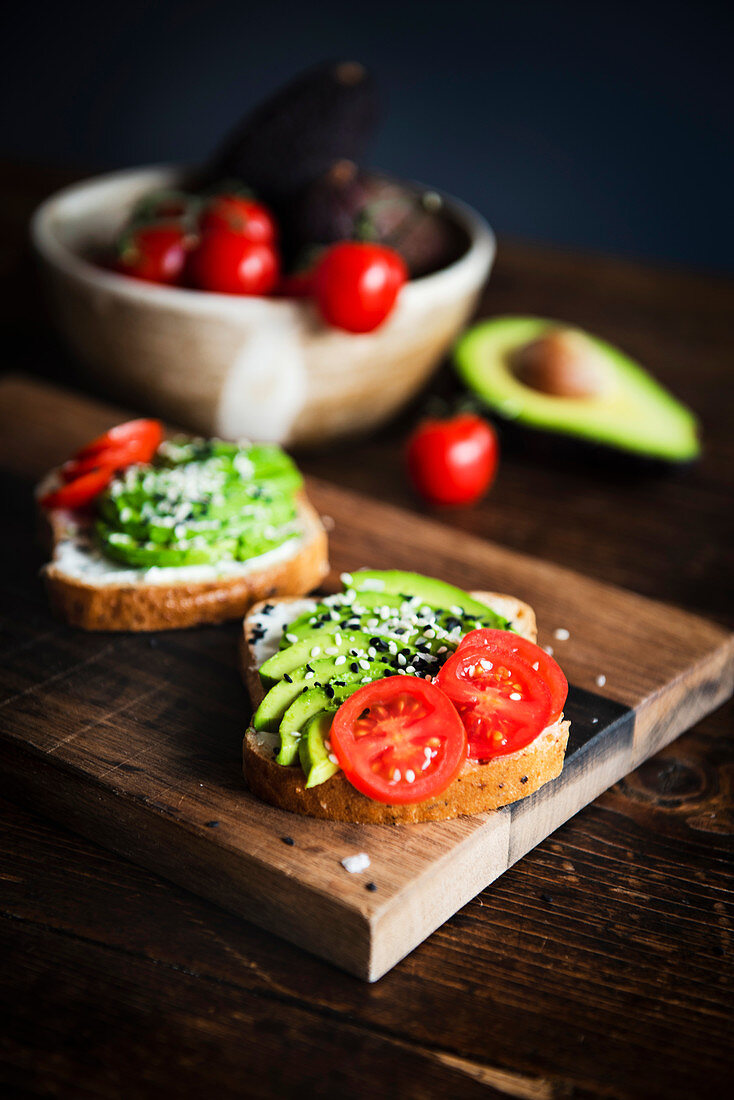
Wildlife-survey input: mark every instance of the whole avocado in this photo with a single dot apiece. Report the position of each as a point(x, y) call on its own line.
point(327, 113)
point(349, 203)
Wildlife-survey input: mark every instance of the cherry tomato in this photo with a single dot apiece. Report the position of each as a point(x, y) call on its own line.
point(230, 263)
point(240, 215)
point(155, 253)
point(503, 701)
point(399, 740)
point(506, 641)
point(453, 461)
point(140, 437)
point(80, 491)
point(356, 284)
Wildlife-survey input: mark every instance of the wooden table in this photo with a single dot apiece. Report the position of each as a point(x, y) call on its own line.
point(599, 966)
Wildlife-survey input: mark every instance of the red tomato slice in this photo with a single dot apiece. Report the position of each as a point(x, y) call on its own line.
point(80, 491)
point(399, 740)
point(509, 642)
point(114, 458)
point(503, 701)
point(140, 437)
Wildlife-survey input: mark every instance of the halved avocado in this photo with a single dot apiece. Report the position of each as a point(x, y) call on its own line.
point(545, 375)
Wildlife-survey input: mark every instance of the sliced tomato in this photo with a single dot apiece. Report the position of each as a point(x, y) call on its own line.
point(534, 655)
point(114, 458)
point(399, 740)
point(503, 701)
point(80, 491)
point(140, 437)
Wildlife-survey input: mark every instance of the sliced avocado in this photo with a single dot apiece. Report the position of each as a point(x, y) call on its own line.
point(436, 594)
point(296, 655)
point(272, 708)
point(305, 707)
point(544, 375)
point(313, 753)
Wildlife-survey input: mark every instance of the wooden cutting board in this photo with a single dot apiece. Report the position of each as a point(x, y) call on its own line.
point(134, 740)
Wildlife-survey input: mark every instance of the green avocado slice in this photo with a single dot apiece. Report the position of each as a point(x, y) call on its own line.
point(305, 707)
point(630, 410)
point(313, 753)
point(433, 593)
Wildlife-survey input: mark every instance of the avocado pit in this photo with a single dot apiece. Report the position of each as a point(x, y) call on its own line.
point(560, 363)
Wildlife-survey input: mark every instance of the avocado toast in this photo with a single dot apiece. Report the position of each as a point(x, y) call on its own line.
point(303, 658)
point(195, 533)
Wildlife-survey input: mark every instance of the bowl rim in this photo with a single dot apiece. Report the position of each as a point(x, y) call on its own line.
point(51, 249)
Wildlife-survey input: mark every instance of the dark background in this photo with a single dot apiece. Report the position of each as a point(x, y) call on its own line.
point(597, 125)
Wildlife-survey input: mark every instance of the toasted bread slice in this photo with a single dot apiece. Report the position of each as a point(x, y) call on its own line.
point(89, 592)
point(478, 787)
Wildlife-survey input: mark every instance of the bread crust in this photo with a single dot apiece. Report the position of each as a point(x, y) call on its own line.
point(144, 607)
point(477, 788)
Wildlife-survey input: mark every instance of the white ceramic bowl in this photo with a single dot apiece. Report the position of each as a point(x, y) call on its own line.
point(259, 368)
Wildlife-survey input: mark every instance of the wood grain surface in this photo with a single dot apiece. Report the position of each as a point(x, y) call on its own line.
point(598, 966)
point(132, 740)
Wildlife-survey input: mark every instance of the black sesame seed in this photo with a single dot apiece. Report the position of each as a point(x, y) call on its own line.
point(546, 898)
point(371, 886)
point(211, 824)
point(288, 840)
point(374, 641)
point(329, 691)
point(354, 667)
point(524, 779)
point(288, 679)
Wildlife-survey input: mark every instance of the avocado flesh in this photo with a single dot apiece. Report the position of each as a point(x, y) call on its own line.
point(305, 707)
point(277, 701)
point(313, 753)
point(633, 413)
point(433, 593)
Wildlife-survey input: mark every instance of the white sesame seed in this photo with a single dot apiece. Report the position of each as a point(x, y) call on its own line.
point(396, 776)
point(410, 670)
point(456, 610)
point(548, 649)
point(332, 758)
point(594, 721)
point(364, 663)
point(291, 638)
point(371, 652)
point(331, 650)
point(346, 579)
point(356, 864)
point(601, 680)
point(401, 659)
point(410, 776)
point(516, 696)
point(536, 666)
point(486, 665)
point(309, 676)
point(337, 637)
point(340, 660)
point(561, 634)
point(442, 649)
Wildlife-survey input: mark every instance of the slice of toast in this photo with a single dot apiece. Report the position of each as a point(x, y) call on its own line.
point(478, 787)
point(87, 591)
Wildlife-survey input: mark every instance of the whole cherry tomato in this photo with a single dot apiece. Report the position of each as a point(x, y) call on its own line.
point(240, 215)
point(356, 284)
point(230, 263)
point(453, 461)
point(156, 253)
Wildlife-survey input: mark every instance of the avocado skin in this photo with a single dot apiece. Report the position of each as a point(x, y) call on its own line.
point(635, 441)
point(327, 113)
